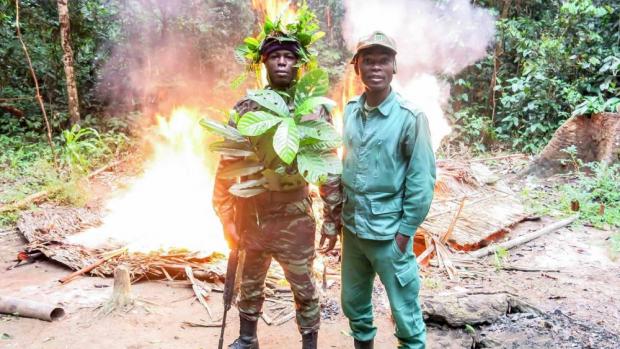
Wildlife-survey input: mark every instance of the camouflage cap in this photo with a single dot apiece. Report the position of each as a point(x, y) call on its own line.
point(376, 38)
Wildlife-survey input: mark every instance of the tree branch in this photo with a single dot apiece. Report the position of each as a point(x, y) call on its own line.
point(36, 84)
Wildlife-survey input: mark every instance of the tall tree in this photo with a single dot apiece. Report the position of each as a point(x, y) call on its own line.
point(73, 102)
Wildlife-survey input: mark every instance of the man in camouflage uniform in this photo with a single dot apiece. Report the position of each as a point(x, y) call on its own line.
point(278, 223)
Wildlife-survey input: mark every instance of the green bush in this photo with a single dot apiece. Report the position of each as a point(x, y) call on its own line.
point(553, 57)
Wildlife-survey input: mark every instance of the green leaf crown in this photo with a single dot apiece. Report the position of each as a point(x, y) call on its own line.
point(304, 30)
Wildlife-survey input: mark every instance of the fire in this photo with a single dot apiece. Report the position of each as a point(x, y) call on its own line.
point(348, 88)
point(169, 205)
point(274, 9)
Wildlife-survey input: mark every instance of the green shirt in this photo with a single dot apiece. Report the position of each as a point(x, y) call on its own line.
point(389, 169)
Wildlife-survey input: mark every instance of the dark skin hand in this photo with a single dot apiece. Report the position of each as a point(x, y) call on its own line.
point(281, 68)
point(375, 66)
point(401, 241)
point(331, 243)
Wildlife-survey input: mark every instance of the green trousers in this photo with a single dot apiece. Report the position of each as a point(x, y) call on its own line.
point(362, 259)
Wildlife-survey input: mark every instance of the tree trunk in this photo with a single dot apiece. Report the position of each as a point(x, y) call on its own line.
point(595, 138)
point(67, 58)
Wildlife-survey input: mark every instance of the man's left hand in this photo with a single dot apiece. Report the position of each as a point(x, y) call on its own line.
point(331, 243)
point(402, 241)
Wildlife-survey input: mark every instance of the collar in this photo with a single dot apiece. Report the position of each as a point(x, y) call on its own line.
point(385, 107)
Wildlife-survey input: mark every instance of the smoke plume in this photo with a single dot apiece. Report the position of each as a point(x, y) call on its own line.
point(174, 52)
point(433, 38)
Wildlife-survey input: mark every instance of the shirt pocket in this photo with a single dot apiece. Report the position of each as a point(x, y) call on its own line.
point(386, 206)
point(382, 168)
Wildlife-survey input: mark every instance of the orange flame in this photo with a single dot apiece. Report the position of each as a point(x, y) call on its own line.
point(274, 9)
point(348, 88)
point(169, 205)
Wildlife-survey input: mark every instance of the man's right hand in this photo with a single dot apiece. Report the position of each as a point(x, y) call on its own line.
point(231, 236)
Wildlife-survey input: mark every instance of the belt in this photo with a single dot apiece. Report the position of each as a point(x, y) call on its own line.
point(282, 196)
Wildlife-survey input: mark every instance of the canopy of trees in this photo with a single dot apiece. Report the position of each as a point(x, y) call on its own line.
point(551, 58)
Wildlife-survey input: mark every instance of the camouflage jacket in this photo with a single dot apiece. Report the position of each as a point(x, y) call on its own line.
point(330, 191)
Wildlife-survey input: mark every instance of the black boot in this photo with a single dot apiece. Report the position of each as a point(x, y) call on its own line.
point(247, 335)
point(363, 345)
point(309, 340)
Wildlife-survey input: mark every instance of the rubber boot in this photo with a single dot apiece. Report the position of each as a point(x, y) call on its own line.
point(309, 340)
point(363, 344)
point(247, 335)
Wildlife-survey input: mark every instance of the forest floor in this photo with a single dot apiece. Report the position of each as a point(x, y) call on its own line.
point(578, 293)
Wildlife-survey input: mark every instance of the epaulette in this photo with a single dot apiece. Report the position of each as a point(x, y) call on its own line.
point(409, 106)
point(354, 99)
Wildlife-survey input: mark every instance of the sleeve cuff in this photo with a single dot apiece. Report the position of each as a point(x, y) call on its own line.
point(407, 229)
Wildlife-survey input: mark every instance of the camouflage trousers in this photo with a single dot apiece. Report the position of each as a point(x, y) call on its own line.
point(284, 232)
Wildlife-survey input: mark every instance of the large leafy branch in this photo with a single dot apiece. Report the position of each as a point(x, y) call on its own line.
point(305, 144)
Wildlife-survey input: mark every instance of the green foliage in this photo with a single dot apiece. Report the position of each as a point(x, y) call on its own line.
point(500, 255)
point(312, 143)
point(304, 29)
point(80, 147)
point(595, 191)
point(553, 58)
point(598, 195)
point(286, 140)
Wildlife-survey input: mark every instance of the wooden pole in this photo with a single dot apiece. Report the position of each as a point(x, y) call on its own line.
point(26, 308)
point(524, 238)
point(92, 266)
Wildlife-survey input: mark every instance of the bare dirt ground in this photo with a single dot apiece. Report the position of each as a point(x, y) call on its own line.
point(578, 294)
point(581, 304)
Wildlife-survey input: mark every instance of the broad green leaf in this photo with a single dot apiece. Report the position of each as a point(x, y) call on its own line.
point(311, 144)
point(312, 84)
point(271, 100)
point(231, 148)
point(316, 166)
point(286, 140)
point(241, 168)
point(241, 53)
point(255, 123)
point(333, 164)
point(251, 42)
point(240, 79)
point(268, 27)
point(316, 36)
point(308, 106)
point(318, 129)
point(222, 129)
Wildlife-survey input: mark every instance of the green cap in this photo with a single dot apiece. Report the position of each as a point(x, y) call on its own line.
point(376, 38)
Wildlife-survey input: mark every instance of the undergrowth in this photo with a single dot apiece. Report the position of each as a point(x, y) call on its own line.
point(594, 192)
point(27, 165)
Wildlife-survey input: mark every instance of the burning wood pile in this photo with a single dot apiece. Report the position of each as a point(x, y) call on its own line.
point(47, 230)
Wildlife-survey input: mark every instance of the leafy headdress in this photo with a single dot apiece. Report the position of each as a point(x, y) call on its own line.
point(302, 32)
point(305, 146)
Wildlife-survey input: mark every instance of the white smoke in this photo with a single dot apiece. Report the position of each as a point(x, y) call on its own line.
point(433, 38)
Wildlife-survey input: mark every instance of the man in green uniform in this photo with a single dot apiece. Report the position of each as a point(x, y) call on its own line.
point(279, 223)
point(388, 179)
